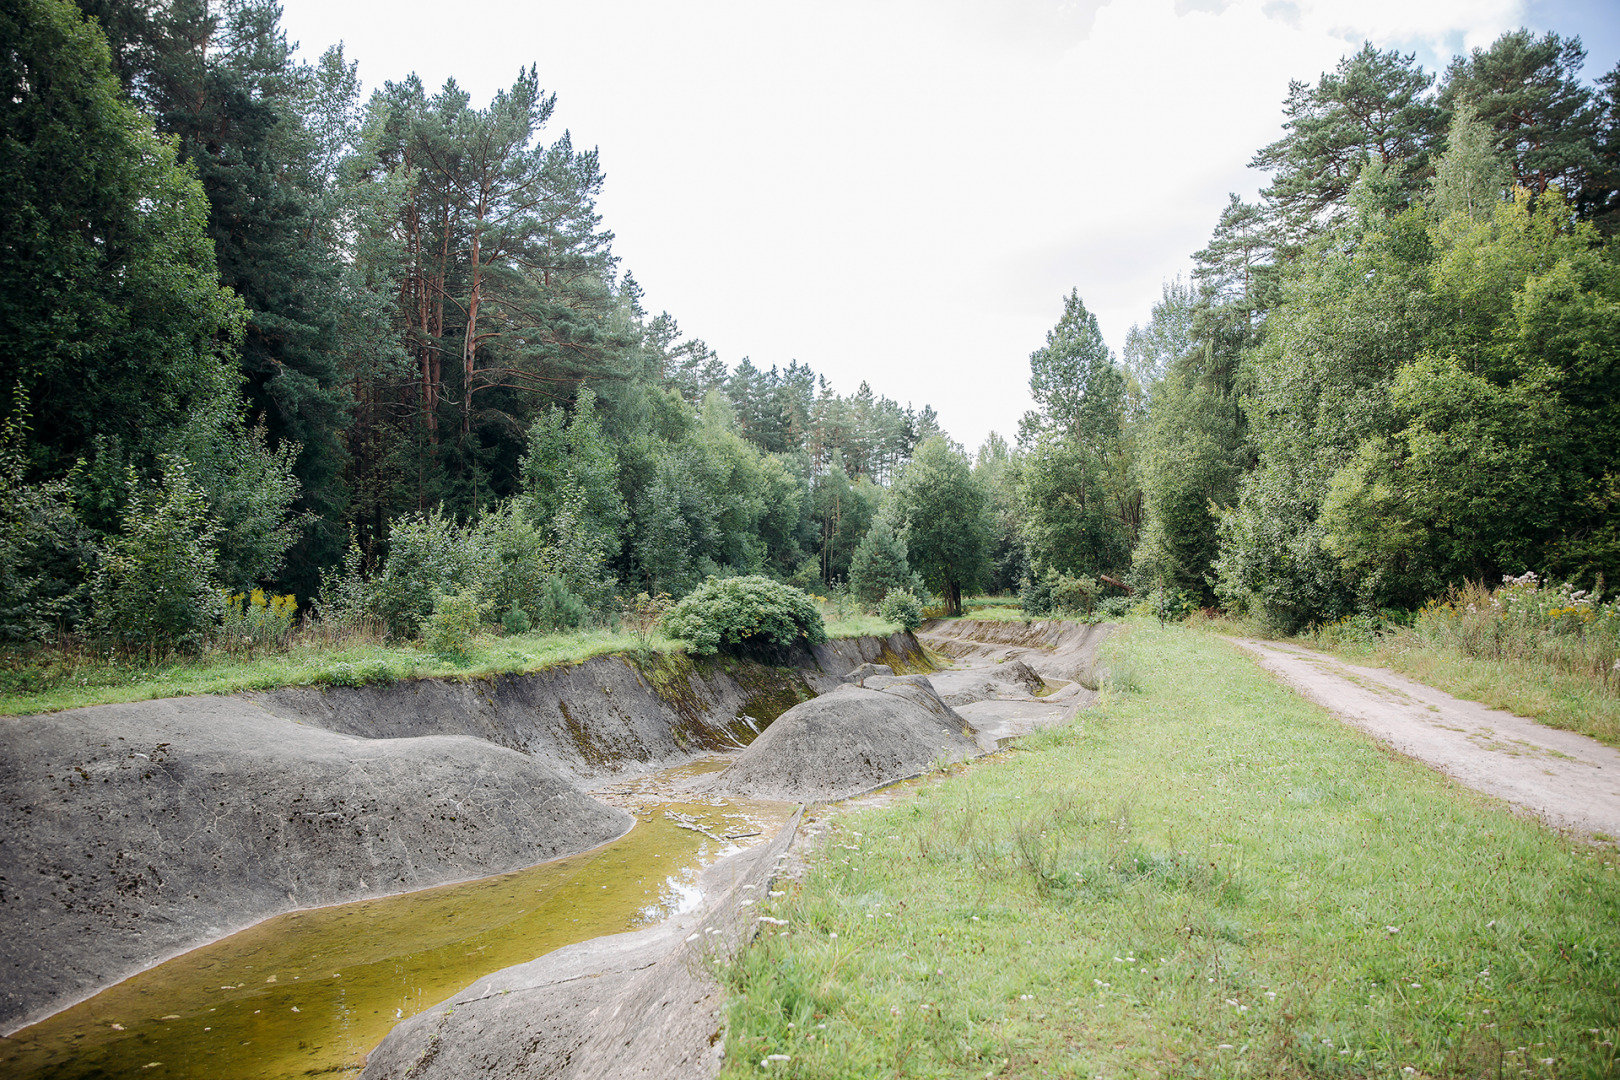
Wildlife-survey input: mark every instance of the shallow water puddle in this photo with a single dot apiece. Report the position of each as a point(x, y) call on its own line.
point(311, 992)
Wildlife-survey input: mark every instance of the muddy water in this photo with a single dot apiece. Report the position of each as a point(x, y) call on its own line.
point(310, 993)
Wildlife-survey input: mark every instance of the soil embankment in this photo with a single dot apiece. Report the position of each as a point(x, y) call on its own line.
point(130, 833)
point(614, 715)
point(1009, 678)
point(645, 1004)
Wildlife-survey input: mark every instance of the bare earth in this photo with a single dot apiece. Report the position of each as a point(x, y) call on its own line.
point(1568, 780)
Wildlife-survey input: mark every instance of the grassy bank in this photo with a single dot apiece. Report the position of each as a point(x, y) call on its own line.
point(47, 679)
point(1206, 876)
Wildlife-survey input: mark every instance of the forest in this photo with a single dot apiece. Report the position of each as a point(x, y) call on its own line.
point(375, 358)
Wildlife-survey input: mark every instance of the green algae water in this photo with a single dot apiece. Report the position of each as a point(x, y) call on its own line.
point(311, 993)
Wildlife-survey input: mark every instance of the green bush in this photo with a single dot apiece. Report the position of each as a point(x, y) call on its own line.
point(359, 673)
point(455, 621)
point(903, 607)
point(155, 587)
point(1076, 595)
point(515, 621)
point(42, 547)
point(1115, 607)
point(746, 615)
point(507, 559)
point(1054, 593)
point(1172, 605)
point(426, 558)
point(559, 608)
point(1035, 596)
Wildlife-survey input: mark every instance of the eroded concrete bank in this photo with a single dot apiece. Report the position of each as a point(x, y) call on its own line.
point(648, 1004)
point(614, 715)
point(131, 833)
point(1056, 650)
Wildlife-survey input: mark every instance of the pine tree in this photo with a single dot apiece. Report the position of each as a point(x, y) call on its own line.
point(1374, 107)
point(1527, 90)
point(879, 564)
point(1079, 389)
point(109, 296)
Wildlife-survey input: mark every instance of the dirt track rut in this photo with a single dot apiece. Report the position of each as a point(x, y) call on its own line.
point(1568, 780)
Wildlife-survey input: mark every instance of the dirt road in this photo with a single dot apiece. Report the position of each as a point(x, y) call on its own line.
point(1569, 780)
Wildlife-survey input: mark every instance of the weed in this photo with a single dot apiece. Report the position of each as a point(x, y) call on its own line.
point(1535, 648)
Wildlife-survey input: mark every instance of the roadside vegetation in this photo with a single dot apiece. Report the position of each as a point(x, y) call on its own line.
point(1203, 876)
point(1540, 649)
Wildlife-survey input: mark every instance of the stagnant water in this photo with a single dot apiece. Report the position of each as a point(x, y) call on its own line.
point(311, 993)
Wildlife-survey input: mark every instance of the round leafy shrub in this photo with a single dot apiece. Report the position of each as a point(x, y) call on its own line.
point(901, 606)
point(747, 616)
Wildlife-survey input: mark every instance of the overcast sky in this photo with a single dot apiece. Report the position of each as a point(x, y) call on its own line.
point(902, 192)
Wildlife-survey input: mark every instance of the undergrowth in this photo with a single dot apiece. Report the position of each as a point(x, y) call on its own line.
point(40, 678)
point(1538, 649)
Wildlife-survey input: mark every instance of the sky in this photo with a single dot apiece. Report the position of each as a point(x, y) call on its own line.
point(903, 191)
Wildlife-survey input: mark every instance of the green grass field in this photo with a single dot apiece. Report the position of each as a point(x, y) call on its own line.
point(1203, 877)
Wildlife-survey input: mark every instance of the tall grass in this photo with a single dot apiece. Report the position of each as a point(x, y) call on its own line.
point(1540, 649)
point(1555, 625)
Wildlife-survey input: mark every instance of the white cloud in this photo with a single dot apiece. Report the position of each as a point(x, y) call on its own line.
point(901, 192)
